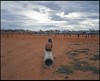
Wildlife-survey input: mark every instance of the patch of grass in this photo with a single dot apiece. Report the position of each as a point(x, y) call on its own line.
point(64, 69)
point(73, 53)
point(66, 77)
point(76, 44)
point(71, 41)
point(81, 50)
point(95, 57)
point(84, 66)
point(76, 65)
point(94, 69)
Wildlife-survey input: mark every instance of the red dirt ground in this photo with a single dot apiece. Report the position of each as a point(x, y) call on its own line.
point(22, 57)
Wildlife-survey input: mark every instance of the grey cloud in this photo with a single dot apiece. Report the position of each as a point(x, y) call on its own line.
point(56, 18)
point(49, 25)
point(50, 4)
point(80, 6)
point(13, 17)
point(11, 25)
point(88, 7)
point(36, 9)
point(75, 21)
point(46, 27)
point(53, 15)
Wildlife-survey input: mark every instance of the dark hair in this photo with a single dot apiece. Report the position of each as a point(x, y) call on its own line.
point(50, 40)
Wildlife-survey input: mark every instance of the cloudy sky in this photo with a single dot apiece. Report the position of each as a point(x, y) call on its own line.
point(45, 15)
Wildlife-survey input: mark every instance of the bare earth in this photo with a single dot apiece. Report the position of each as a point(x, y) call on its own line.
point(22, 57)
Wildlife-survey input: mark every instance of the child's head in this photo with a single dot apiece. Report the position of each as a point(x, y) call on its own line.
point(50, 40)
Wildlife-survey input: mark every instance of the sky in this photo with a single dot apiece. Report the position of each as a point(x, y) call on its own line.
point(50, 15)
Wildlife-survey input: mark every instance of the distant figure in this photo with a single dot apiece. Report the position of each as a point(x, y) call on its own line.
point(78, 35)
point(49, 45)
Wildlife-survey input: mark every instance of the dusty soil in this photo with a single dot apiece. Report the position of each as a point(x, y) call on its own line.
point(22, 57)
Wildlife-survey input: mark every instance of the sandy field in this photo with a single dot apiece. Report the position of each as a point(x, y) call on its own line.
point(22, 57)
